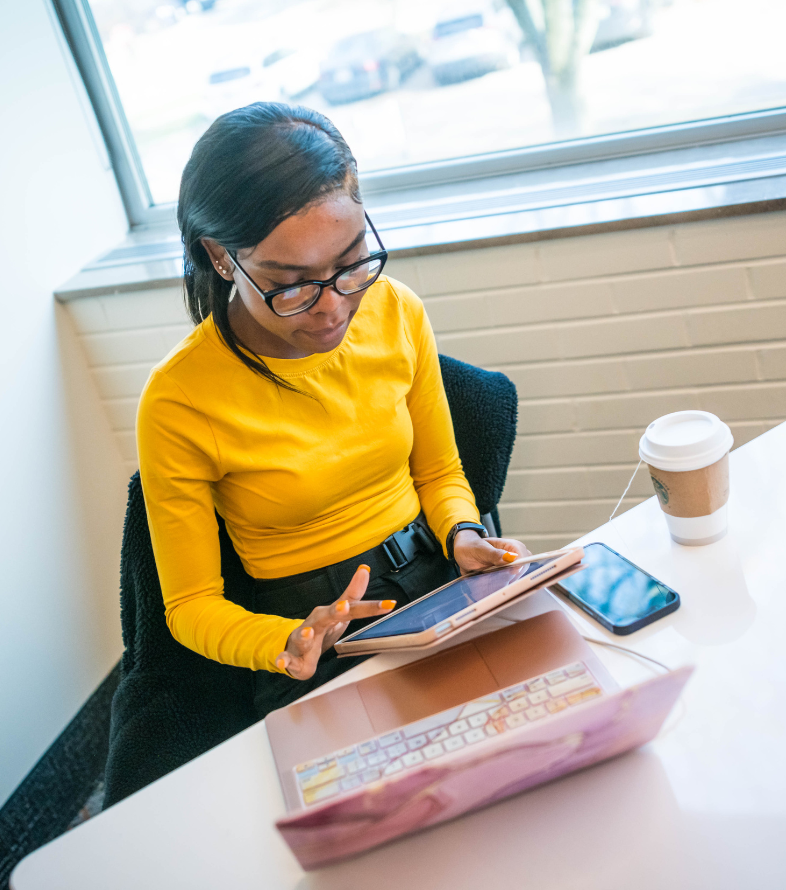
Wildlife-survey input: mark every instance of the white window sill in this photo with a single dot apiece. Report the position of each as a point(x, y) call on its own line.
point(419, 212)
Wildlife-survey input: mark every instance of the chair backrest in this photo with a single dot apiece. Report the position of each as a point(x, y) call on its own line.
point(145, 634)
point(484, 408)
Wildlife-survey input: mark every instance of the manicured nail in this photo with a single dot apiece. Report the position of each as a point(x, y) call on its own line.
point(367, 568)
point(307, 633)
point(388, 604)
point(509, 557)
point(281, 664)
point(342, 606)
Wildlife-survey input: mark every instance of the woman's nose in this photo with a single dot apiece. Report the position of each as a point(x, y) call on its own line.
point(329, 301)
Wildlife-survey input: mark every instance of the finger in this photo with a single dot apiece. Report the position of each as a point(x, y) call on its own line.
point(370, 608)
point(366, 609)
point(322, 618)
point(487, 554)
point(300, 640)
point(352, 611)
point(358, 585)
point(282, 662)
point(511, 546)
point(297, 668)
point(333, 636)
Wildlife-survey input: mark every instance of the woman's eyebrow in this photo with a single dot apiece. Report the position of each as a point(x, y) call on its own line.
point(289, 267)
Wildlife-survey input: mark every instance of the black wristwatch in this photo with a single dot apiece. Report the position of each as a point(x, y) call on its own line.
point(460, 526)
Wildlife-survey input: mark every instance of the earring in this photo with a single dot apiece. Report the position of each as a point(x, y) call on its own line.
point(221, 268)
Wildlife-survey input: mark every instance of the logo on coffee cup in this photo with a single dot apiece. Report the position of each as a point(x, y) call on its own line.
point(660, 490)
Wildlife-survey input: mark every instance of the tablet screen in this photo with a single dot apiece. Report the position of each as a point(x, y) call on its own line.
point(454, 597)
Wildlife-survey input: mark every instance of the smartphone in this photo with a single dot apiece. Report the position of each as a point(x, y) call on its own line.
point(616, 593)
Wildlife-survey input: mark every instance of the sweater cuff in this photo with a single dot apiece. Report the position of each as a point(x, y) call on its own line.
point(275, 645)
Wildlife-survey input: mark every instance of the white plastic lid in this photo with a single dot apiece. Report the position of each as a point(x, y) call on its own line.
point(685, 440)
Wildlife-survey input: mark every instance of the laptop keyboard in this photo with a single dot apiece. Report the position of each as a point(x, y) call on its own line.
point(435, 738)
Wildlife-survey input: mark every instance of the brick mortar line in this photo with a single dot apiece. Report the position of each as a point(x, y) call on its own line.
point(631, 430)
point(574, 467)
point(619, 358)
point(544, 287)
point(127, 366)
point(153, 327)
point(586, 398)
point(470, 334)
point(613, 277)
point(116, 400)
point(566, 502)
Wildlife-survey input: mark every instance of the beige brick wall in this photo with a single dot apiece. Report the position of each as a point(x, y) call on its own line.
point(601, 334)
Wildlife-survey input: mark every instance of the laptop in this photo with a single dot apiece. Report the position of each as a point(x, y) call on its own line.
point(420, 744)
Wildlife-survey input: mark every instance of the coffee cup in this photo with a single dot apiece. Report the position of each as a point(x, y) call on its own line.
point(687, 453)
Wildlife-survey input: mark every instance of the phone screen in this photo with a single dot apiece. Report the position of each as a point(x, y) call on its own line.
point(444, 603)
point(617, 590)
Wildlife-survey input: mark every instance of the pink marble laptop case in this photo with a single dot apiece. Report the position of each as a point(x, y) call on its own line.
point(475, 777)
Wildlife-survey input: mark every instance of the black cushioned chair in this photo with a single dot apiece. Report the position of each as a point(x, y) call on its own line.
point(172, 704)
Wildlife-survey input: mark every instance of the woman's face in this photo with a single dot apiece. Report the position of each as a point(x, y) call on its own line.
point(310, 246)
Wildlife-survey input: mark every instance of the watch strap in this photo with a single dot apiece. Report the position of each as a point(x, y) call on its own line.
point(460, 526)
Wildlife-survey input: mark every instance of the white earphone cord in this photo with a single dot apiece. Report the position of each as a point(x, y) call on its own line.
point(627, 489)
point(660, 664)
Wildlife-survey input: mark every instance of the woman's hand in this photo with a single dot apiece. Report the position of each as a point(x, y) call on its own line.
point(325, 625)
point(472, 552)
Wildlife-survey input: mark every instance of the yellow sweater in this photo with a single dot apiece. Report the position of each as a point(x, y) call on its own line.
point(301, 482)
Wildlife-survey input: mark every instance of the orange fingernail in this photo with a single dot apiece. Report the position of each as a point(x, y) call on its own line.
point(509, 557)
point(342, 606)
point(367, 568)
point(388, 604)
point(307, 633)
point(281, 664)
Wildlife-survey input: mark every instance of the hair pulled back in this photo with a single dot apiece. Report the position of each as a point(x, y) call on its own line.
point(252, 169)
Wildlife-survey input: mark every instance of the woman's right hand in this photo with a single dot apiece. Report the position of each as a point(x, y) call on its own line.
point(325, 625)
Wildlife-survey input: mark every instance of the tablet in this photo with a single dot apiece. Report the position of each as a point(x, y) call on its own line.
point(467, 599)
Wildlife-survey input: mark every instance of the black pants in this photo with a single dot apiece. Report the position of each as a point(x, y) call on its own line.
point(296, 595)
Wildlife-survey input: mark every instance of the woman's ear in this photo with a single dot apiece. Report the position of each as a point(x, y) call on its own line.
point(219, 258)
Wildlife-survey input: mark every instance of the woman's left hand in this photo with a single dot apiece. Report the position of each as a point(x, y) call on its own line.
point(472, 552)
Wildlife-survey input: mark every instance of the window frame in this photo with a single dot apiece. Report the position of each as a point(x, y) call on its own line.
point(82, 35)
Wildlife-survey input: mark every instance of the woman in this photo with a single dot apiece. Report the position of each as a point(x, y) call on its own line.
point(311, 415)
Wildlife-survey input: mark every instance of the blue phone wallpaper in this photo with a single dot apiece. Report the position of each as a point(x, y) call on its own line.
point(429, 611)
point(615, 588)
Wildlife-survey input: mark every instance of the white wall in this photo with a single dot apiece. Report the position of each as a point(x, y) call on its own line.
point(62, 481)
point(601, 334)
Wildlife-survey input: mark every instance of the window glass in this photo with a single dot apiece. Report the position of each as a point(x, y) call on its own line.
point(408, 81)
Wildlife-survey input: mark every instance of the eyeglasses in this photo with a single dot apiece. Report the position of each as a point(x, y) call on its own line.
point(286, 301)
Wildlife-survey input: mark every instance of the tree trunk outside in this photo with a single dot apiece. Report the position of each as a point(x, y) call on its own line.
point(561, 35)
point(568, 108)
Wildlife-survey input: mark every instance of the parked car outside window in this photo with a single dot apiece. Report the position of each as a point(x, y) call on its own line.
point(366, 64)
point(473, 39)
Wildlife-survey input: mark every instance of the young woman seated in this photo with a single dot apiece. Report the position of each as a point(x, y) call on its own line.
point(306, 408)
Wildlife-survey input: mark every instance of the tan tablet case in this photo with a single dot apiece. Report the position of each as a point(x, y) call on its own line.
point(371, 649)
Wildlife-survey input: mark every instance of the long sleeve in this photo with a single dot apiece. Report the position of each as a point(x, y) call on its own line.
point(303, 479)
point(179, 460)
point(435, 465)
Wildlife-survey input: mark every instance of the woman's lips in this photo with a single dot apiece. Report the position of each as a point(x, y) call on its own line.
point(327, 333)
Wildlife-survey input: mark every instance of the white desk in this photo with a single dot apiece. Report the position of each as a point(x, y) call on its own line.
point(704, 806)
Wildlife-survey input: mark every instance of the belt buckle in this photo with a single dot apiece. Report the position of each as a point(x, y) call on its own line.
point(403, 546)
point(396, 563)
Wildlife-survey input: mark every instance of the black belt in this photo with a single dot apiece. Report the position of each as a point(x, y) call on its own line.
point(393, 554)
point(400, 548)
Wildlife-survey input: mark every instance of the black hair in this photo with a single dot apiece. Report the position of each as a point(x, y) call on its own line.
point(252, 169)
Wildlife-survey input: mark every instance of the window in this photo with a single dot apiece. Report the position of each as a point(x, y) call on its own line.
point(414, 82)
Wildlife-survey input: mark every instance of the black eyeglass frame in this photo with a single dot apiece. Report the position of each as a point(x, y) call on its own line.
point(269, 295)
